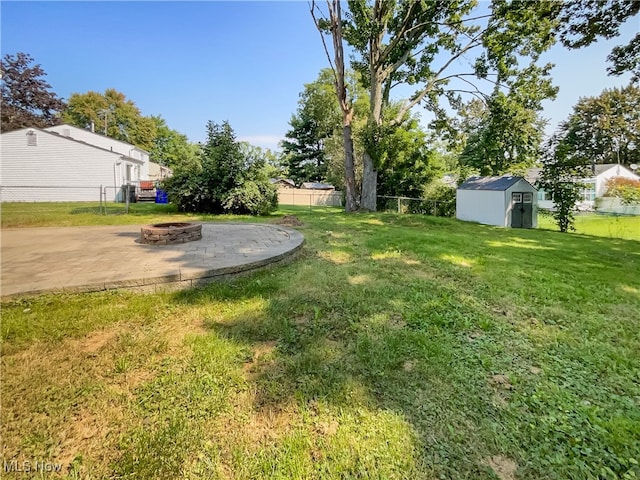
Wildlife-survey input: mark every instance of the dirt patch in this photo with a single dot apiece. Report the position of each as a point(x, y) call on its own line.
point(408, 366)
point(260, 352)
point(503, 467)
point(95, 341)
point(327, 428)
point(290, 221)
point(501, 382)
point(270, 423)
point(535, 370)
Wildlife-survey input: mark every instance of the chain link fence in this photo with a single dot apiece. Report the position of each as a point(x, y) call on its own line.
point(436, 208)
point(103, 199)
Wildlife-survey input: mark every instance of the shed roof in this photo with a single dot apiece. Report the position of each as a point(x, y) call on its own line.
point(498, 184)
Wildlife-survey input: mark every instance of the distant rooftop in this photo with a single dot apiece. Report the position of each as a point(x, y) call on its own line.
point(317, 186)
point(497, 184)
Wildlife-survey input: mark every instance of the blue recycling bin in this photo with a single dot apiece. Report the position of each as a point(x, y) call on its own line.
point(161, 196)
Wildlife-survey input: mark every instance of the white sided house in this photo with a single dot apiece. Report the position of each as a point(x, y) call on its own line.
point(108, 143)
point(594, 187)
point(507, 201)
point(46, 166)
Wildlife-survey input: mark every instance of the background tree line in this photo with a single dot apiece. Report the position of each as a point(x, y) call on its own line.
point(475, 72)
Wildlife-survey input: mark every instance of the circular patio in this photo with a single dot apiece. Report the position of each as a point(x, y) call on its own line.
point(85, 259)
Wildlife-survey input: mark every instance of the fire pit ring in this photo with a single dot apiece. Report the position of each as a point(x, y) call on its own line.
point(170, 233)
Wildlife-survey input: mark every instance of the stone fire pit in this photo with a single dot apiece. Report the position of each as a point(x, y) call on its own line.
point(170, 233)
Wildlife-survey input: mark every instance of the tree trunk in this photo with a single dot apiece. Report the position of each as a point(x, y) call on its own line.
point(368, 200)
point(351, 203)
point(346, 106)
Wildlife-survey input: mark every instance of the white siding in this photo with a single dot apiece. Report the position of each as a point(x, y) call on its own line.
point(54, 162)
point(482, 206)
point(107, 143)
point(492, 207)
point(617, 171)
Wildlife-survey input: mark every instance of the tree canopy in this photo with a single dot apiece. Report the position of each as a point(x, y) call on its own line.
point(112, 114)
point(227, 182)
point(504, 137)
point(443, 50)
point(172, 148)
point(317, 119)
point(582, 22)
point(27, 99)
point(606, 128)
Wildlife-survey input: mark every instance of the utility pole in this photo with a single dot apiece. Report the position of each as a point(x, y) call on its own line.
point(105, 112)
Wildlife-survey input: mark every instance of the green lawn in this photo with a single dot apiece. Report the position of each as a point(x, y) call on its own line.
point(625, 227)
point(394, 347)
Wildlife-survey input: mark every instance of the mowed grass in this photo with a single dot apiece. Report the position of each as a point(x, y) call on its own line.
point(394, 347)
point(67, 214)
point(610, 226)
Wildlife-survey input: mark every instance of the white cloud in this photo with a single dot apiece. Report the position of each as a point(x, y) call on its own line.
point(264, 141)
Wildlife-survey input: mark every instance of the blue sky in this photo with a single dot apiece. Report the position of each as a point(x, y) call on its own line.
point(245, 62)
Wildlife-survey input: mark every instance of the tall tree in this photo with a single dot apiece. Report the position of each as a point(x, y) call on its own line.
point(423, 44)
point(112, 114)
point(27, 99)
point(407, 164)
point(606, 128)
point(582, 22)
point(505, 137)
point(561, 176)
point(317, 119)
point(334, 26)
point(172, 148)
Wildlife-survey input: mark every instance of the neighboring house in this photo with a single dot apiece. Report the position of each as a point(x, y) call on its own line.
point(159, 172)
point(283, 182)
point(46, 166)
point(594, 186)
point(507, 201)
point(108, 143)
point(317, 186)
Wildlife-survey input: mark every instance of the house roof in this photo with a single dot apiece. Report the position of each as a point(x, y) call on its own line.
point(84, 130)
point(70, 139)
point(317, 186)
point(498, 184)
point(288, 181)
point(533, 174)
point(600, 169)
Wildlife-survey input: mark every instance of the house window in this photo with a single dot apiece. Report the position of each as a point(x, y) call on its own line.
point(128, 173)
point(527, 197)
point(516, 197)
point(32, 139)
point(589, 192)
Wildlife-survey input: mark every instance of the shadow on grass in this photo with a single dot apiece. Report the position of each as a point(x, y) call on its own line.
point(430, 319)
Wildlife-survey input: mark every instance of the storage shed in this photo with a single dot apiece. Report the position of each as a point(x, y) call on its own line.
point(507, 201)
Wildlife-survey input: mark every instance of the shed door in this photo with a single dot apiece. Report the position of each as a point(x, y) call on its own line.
point(522, 211)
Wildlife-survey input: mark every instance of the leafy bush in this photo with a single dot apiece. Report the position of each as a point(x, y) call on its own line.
point(439, 200)
point(229, 181)
point(253, 198)
point(626, 189)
